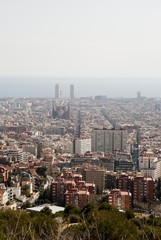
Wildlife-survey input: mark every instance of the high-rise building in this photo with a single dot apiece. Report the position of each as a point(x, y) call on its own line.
point(97, 176)
point(124, 182)
point(70, 189)
point(57, 92)
point(143, 189)
point(71, 91)
point(119, 199)
point(108, 140)
point(80, 146)
point(138, 95)
point(77, 197)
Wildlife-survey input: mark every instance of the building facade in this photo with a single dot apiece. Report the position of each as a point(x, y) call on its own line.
point(143, 189)
point(79, 198)
point(108, 140)
point(119, 199)
point(79, 146)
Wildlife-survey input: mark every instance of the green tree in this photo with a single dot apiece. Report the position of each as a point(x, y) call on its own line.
point(105, 206)
point(41, 171)
point(45, 196)
point(104, 199)
point(46, 210)
point(129, 214)
point(25, 205)
point(71, 209)
point(89, 207)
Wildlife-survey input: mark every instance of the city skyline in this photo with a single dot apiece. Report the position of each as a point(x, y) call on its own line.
point(80, 119)
point(83, 87)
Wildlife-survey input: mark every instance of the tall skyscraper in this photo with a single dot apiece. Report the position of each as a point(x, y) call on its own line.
point(57, 92)
point(138, 95)
point(108, 140)
point(71, 91)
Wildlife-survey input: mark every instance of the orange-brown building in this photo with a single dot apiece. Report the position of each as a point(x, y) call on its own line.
point(143, 189)
point(70, 189)
point(72, 176)
point(82, 185)
point(124, 182)
point(77, 197)
point(58, 188)
point(119, 199)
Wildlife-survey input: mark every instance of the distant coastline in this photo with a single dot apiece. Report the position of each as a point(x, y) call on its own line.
point(84, 87)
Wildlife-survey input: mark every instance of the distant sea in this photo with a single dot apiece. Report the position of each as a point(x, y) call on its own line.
point(84, 87)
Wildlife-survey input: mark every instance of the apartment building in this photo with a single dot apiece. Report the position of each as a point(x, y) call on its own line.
point(58, 188)
point(80, 146)
point(97, 176)
point(108, 140)
point(70, 188)
point(125, 182)
point(143, 189)
point(71, 176)
point(150, 165)
point(47, 162)
point(77, 197)
point(110, 180)
point(90, 186)
point(119, 199)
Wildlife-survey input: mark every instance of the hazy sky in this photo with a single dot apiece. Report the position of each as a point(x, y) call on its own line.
point(80, 38)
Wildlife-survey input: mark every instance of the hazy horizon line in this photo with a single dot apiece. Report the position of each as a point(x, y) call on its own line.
point(84, 87)
point(79, 77)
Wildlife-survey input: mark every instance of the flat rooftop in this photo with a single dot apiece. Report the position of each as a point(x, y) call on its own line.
point(53, 208)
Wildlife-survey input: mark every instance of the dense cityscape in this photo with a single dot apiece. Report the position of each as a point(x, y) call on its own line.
point(80, 149)
point(56, 153)
point(80, 120)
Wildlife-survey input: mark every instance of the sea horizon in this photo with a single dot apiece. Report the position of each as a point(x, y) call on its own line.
point(84, 87)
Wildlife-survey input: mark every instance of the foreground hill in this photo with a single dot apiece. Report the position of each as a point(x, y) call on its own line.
point(72, 224)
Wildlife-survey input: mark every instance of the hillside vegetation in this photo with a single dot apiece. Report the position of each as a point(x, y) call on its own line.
point(76, 224)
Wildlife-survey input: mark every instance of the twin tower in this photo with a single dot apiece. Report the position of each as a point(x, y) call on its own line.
point(58, 93)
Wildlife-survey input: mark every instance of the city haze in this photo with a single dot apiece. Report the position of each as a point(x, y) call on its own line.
point(80, 39)
point(84, 87)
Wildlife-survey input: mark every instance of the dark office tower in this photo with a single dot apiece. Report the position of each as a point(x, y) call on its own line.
point(57, 92)
point(71, 91)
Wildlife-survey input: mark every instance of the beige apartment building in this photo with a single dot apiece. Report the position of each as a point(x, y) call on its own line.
point(97, 176)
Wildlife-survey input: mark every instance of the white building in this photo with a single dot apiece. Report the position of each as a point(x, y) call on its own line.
point(150, 165)
point(14, 192)
point(14, 153)
point(80, 146)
